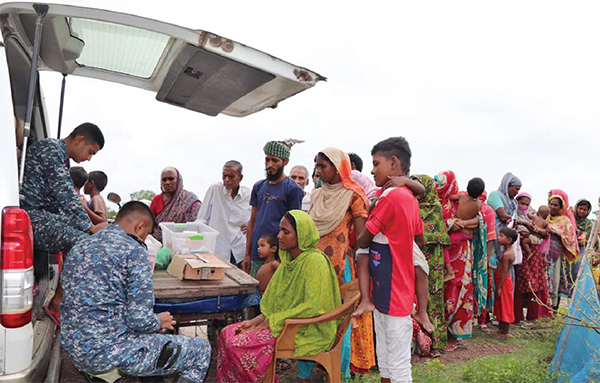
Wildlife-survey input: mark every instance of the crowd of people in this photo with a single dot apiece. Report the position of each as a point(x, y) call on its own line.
point(432, 262)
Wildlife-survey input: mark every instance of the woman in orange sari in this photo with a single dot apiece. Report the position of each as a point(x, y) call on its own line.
point(564, 249)
point(339, 208)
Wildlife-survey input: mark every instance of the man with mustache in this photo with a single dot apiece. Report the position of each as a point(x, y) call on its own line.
point(271, 198)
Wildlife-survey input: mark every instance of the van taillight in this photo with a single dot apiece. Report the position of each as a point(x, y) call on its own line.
point(17, 268)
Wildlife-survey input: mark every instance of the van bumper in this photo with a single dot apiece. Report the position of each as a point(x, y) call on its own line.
point(44, 329)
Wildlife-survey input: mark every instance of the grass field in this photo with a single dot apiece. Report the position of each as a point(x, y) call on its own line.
point(524, 358)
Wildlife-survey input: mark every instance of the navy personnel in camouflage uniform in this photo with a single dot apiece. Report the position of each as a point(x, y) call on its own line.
point(107, 317)
point(57, 215)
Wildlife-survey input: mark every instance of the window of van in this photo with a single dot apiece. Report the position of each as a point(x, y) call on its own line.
point(118, 48)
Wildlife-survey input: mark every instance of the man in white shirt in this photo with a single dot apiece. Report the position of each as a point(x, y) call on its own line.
point(300, 175)
point(226, 208)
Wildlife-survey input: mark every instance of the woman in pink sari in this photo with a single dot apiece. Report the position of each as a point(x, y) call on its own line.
point(458, 292)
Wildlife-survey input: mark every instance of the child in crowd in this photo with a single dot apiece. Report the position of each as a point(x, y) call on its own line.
point(504, 304)
point(392, 227)
point(79, 177)
point(469, 206)
point(268, 250)
point(96, 183)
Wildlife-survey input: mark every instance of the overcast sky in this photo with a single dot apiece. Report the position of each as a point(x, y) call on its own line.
point(478, 88)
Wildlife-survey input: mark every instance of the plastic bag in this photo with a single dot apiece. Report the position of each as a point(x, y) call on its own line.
point(163, 258)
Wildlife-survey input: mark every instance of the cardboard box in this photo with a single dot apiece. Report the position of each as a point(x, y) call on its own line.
point(197, 267)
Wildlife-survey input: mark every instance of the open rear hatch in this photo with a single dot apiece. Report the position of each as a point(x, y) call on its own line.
point(193, 69)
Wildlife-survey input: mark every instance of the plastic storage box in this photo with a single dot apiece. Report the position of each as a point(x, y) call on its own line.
point(153, 246)
point(189, 237)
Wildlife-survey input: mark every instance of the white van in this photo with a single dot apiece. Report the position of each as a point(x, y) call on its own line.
point(193, 69)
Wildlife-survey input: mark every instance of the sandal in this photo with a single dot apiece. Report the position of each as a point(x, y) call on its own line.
point(283, 364)
point(435, 353)
point(54, 317)
point(450, 347)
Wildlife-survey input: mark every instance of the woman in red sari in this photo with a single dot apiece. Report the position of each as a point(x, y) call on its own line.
point(531, 282)
point(458, 292)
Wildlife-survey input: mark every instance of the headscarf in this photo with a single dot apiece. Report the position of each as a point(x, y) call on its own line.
point(183, 204)
point(329, 203)
point(365, 182)
point(522, 213)
point(565, 199)
point(510, 204)
point(584, 225)
point(304, 287)
point(431, 212)
point(563, 227)
point(447, 186)
point(280, 149)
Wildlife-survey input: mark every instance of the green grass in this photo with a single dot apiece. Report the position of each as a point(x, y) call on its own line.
point(527, 364)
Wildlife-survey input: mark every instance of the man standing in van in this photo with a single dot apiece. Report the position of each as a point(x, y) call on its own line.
point(57, 216)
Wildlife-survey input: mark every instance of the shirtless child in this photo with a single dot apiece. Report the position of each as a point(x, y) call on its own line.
point(504, 303)
point(268, 250)
point(539, 219)
point(468, 204)
point(468, 207)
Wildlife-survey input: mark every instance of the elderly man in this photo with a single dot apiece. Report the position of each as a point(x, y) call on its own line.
point(271, 198)
point(108, 318)
point(299, 174)
point(226, 208)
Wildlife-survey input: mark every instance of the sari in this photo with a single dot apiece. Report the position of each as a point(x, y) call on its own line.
point(183, 206)
point(584, 225)
point(563, 254)
point(436, 238)
point(304, 287)
point(333, 209)
point(489, 218)
point(458, 292)
point(531, 282)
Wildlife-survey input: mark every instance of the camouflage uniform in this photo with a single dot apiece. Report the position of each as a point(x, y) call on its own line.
point(57, 217)
point(107, 312)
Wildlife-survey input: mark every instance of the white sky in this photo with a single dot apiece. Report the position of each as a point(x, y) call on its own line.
point(475, 87)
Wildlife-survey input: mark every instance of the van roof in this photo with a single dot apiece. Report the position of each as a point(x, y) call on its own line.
point(194, 69)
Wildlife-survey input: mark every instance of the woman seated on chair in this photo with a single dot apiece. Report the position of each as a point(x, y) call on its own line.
point(305, 285)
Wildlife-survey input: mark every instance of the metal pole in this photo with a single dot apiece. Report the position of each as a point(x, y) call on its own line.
point(41, 10)
point(62, 104)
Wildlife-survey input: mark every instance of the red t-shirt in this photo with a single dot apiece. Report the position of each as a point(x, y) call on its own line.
point(395, 221)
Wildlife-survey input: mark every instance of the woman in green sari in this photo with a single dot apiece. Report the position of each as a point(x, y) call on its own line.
point(436, 237)
point(304, 286)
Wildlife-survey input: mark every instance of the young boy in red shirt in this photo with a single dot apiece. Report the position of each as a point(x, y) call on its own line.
point(389, 233)
point(504, 303)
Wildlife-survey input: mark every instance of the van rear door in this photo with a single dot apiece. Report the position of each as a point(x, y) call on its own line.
point(193, 69)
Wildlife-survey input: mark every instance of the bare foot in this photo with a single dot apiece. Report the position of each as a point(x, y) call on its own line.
point(499, 336)
point(448, 276)
point(423, 319)
point(365, 306)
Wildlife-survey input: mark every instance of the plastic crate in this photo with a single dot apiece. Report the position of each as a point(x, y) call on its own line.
point(153, 247)
point(176, 236)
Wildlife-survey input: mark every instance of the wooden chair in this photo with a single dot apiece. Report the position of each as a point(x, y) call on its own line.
point(330, 360)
